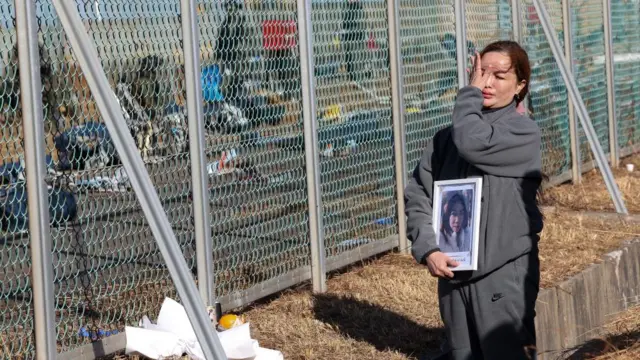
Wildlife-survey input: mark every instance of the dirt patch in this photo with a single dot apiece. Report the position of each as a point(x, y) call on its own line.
point(384, 310)
point(591, 194)
point(621, 340)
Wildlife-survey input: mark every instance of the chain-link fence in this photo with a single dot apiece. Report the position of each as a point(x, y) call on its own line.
point(354, 122)
point(16, 311)
point(104, 253)
point(108, 271)
point(487, 20)
point(547, 93)
point(428, 48)
point(255, 148)
point(588, 49)
point(625, 25)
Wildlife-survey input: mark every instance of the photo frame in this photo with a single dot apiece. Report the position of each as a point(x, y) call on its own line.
point(456, 220)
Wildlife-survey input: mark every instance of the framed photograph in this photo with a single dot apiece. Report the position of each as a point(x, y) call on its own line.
point(456, 220)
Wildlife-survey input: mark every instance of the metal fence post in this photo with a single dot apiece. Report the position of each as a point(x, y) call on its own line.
point(516, 18)
point(161, 229)
point(37, 198)
point(576, 161)
point(204, 245)
point(312, 161)
point(581, 109)
point(461, 42)
point(614, 148)
point(516, 21)
point(397, 99)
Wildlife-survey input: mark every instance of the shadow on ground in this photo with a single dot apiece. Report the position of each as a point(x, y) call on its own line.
point(383, 329)
point(606, 346)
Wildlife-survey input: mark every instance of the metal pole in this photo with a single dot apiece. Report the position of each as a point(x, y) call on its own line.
point(516, 16)
point(96, 7)
point(461, 42)
point(505, 23)
point(204, 245)
point(37, 199)
point(614, 148)
point(576, 161)
point(516, 21)
point(316, 236)
point(581, 109)
point(140, 181)
point(397, 99)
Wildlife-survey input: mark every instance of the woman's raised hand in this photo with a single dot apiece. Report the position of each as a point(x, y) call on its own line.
point(478, 77)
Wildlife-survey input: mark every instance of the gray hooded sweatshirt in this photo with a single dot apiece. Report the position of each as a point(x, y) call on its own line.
point(503, 147)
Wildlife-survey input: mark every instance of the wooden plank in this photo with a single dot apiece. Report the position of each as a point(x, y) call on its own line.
point(549, 329)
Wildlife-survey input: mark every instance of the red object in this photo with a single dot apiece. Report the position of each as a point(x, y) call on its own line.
point(371, 43)
point(279, 34)
point(532, 14)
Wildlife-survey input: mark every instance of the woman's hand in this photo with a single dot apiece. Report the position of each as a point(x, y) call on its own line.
point(478, 77)
point(439, 263)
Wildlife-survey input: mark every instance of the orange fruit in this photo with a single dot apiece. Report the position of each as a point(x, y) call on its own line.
point(228, 321)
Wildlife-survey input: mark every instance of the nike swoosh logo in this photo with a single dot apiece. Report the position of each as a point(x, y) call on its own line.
point(497, 297)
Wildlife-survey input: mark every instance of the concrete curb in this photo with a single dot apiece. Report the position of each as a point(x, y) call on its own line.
point(575, 310)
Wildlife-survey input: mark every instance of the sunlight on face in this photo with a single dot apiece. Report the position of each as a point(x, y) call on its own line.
point(456, 217)
point(502, 85)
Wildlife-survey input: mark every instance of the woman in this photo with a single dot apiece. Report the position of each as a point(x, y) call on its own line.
point(488, 313)
point(454, 231)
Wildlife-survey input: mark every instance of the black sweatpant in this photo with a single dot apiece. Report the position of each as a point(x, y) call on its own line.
point(492, 318)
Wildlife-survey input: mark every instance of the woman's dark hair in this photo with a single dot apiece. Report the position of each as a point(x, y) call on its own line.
point(519, 62)
point(444, 226)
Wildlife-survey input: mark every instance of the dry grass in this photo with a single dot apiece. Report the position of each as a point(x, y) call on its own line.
point(570, 243)
point(621, 340)
point(384, 310)
point(592, 193)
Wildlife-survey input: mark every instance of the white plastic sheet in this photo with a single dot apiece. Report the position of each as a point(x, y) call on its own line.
point(173, 335)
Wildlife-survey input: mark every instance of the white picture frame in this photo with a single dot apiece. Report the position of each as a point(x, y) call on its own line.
point(458, 236)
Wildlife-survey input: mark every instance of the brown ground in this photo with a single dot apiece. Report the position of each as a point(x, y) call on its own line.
point(591, 194)
point(571, 242)
point(621, 342)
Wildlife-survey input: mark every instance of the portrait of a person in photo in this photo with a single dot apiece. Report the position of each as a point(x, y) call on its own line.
point(455, 234)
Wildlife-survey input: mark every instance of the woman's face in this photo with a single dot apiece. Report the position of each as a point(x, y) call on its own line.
point(456, 217)
point(502, 84)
